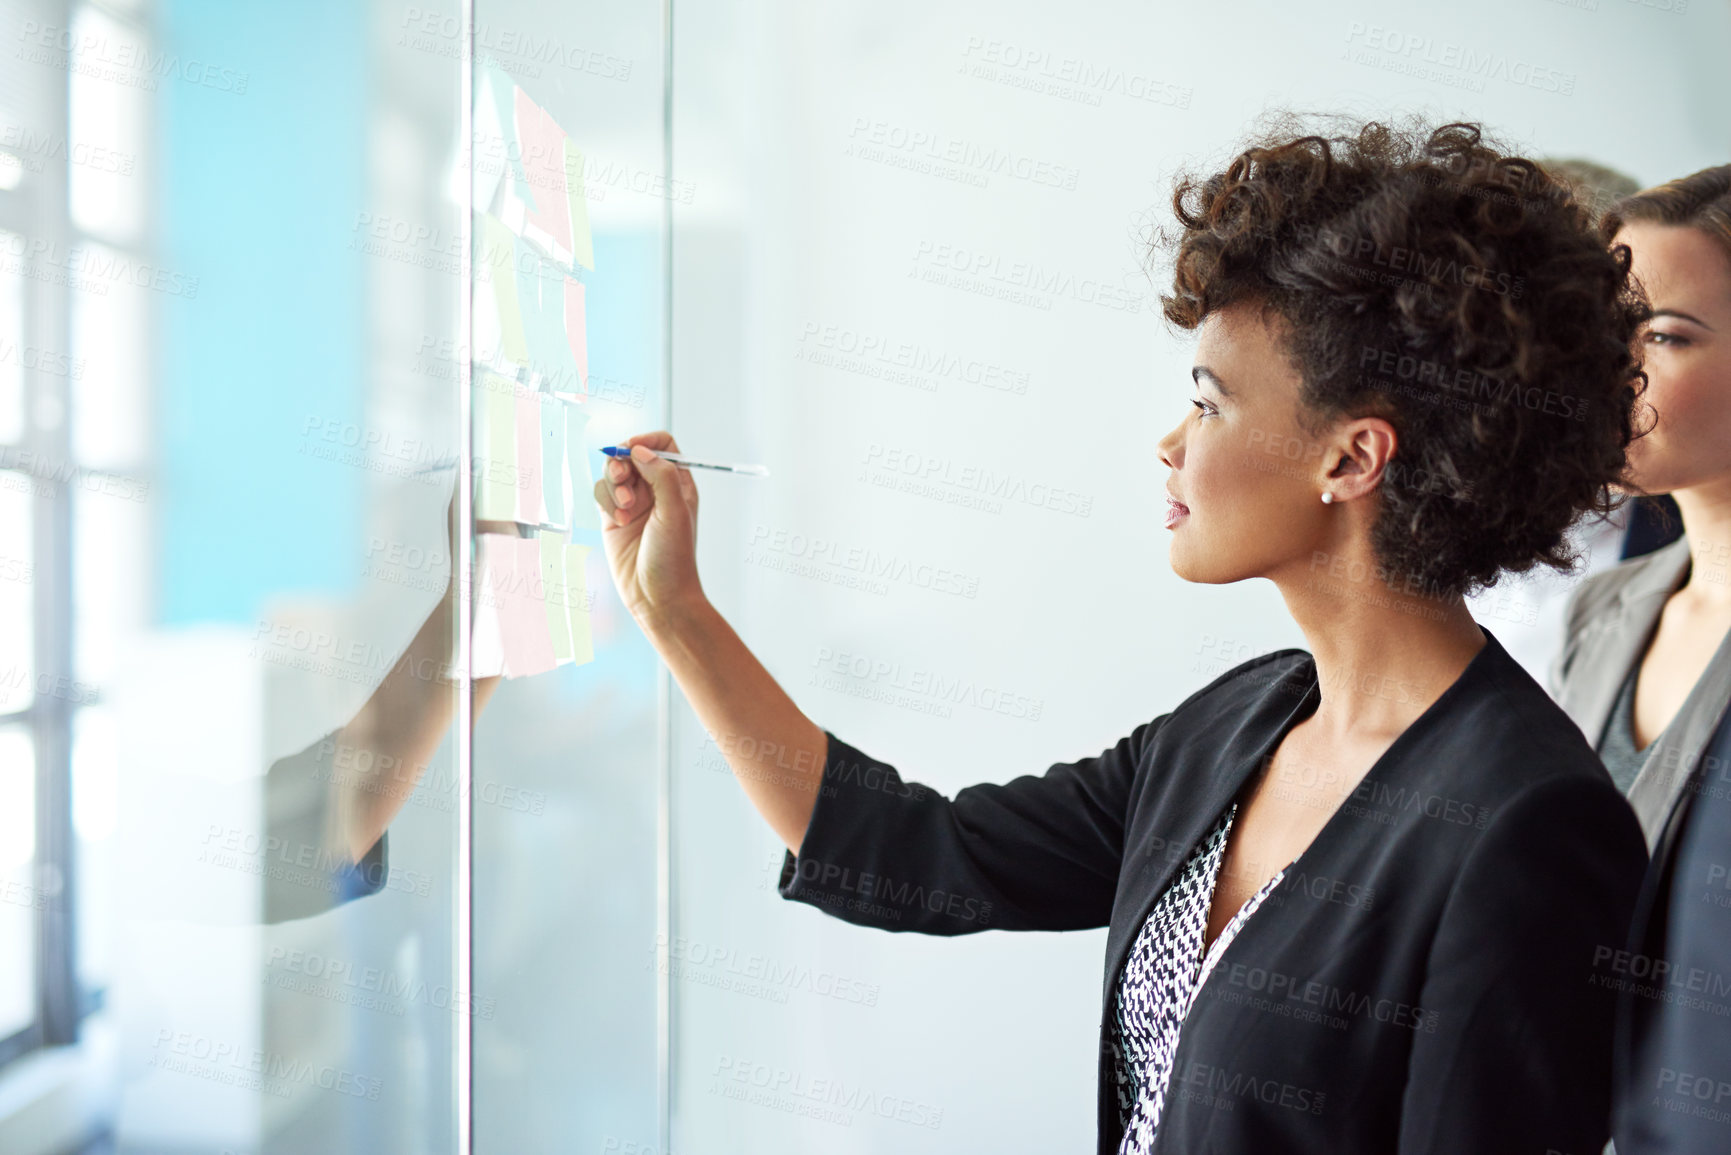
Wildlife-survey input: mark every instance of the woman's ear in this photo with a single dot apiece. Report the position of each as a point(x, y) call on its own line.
point(1361, 451)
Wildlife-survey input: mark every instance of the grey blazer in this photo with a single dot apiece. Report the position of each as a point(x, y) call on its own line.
point(1609, 620)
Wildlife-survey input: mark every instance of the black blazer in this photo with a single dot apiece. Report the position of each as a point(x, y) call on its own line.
point(1424, 980)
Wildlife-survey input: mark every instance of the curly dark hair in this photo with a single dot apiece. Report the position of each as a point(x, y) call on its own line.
point(1429, 277)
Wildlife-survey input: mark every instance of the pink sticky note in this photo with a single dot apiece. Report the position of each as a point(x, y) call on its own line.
point(523, 612)
point(531, 504)
point(543, 147)
point(576, 332)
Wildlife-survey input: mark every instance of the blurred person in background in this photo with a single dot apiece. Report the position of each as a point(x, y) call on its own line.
point(1646, 673)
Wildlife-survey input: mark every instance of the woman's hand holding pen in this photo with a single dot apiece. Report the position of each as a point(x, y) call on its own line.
point(649, 514)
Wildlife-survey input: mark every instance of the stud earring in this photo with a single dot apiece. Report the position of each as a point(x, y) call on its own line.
point(1327, 497)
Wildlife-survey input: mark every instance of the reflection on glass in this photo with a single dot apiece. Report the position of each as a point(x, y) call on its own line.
point(12, 342)
point(106, 370)
point(95, 818)
point(111, 572)
point(106, 126)
point(17, 585)
point(17, 881)
point(244, 613)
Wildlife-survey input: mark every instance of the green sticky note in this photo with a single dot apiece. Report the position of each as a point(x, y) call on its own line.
point(495, 436)
point(554, 583)
point(582, 249)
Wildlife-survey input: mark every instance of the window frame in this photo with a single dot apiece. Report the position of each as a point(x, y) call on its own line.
point(39, 208)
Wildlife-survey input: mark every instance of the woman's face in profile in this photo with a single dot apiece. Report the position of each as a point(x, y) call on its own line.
point(1687, 353)
point(1246, 482)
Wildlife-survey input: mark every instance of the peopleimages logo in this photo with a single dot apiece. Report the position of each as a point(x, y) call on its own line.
point(1446, 60)
point(881, 887)
point(884, 675)
point(92, 265)
point(122, 59)
point(798, 1092)
point(1022, 282)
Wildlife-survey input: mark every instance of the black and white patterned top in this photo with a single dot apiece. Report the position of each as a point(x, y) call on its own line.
point(1165, 969)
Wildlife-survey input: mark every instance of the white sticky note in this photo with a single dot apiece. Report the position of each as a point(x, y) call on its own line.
point(486, 644)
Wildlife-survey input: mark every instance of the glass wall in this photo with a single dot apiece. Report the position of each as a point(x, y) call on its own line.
point(231, 239)
point(571, 199)
point(332, 802)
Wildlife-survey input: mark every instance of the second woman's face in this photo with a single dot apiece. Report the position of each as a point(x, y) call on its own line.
point(1246, 481)
point(1687, 353)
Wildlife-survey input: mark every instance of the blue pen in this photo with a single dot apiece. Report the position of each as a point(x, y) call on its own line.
point(689, 462)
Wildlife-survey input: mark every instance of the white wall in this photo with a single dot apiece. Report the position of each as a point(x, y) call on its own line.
point(790, 229)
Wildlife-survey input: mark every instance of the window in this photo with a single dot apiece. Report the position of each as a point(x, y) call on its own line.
point(73, 531)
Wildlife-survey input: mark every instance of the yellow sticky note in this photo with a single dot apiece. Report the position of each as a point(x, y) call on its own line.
point(582, 249)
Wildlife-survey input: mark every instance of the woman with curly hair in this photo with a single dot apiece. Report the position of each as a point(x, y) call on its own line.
point(1354, 895)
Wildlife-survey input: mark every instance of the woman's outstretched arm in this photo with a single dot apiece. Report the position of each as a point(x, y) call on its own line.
point(649, 510)
point(1036, 853)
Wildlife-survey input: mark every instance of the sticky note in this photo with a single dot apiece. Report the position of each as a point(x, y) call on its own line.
point(486, 644)
point(489, 338)
point(541, 294)
point(577, 583)
point(555, 480)
point(490, 151)
point(531, 605)
point(495, 435)
point(558, 606)
point(511, 208)
point(531, 509)
point(543, 149)
point(501, 96)
point(582, 249)
point(523, 613)
point(576, 335)
point(584, 515)
point(495, 269)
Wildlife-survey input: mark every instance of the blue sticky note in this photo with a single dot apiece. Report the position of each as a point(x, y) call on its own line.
point(583, 512)
point(541, 297)
point(553, 473)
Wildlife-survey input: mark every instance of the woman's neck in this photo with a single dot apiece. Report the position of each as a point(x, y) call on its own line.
point(1706, 511)
point(1382, 655)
